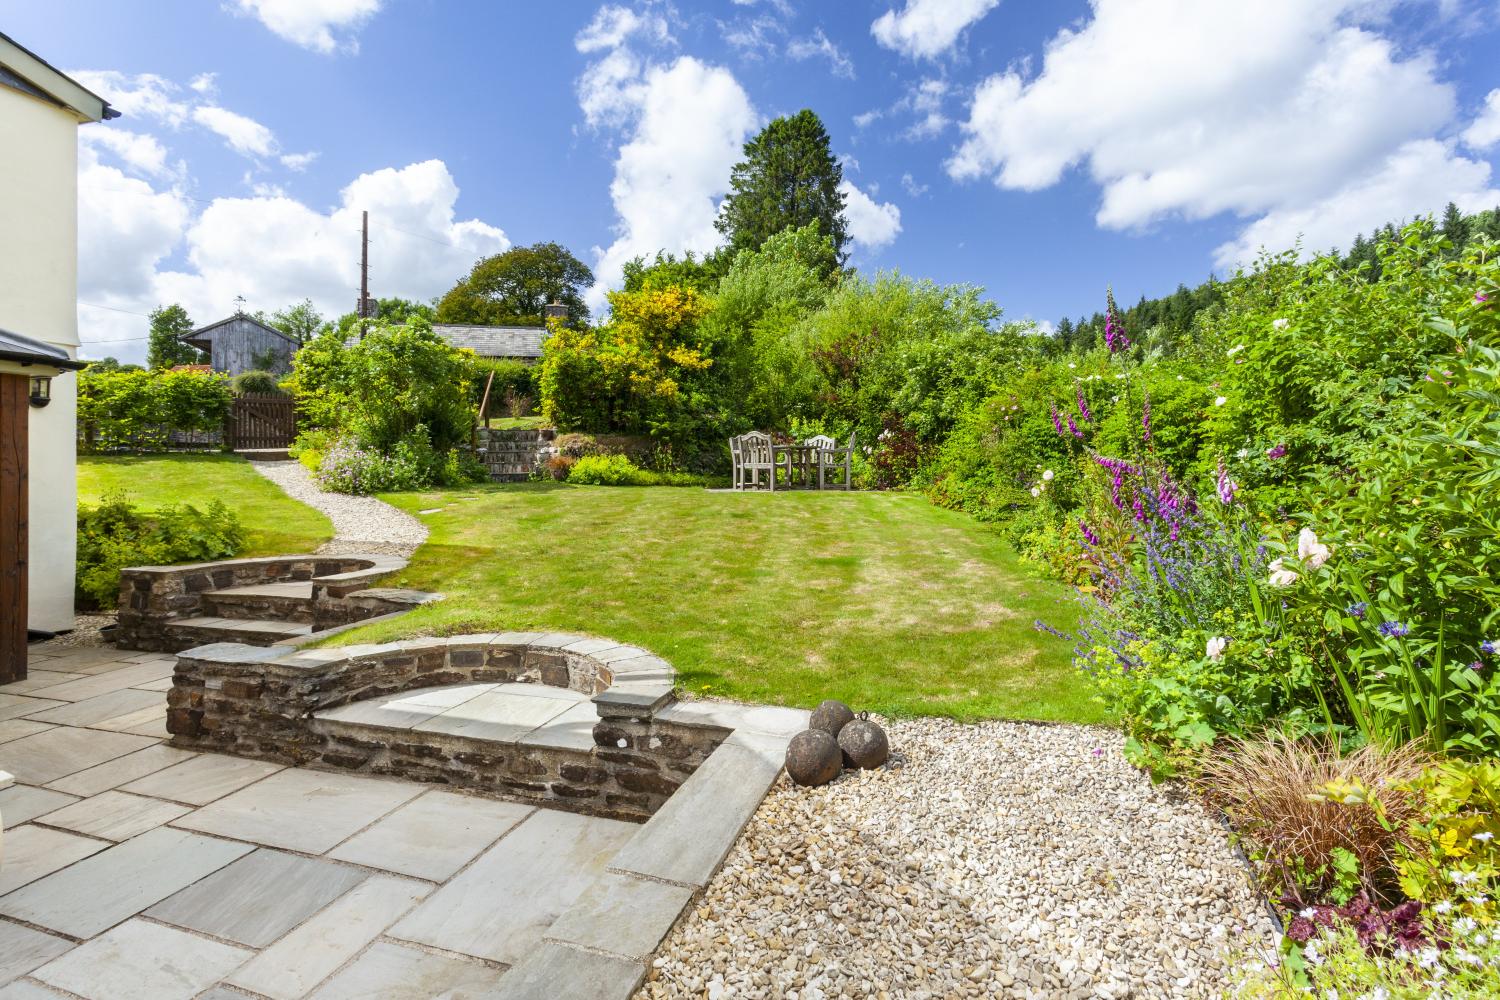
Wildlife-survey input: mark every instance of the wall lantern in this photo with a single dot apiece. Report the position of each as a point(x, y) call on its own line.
point(41, 390)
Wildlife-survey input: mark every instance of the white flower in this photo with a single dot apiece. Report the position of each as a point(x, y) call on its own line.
point(1442, 906)
point(1310, 953)
point(1048, 475)
point(1280, 324)
point(1036, 491)
point(1072, 365)
point(1121, 375)
point(1428, 958)
point(1467, 957)
point(1380, 993)
point(1460, 878)
point(1215, 652)
point(1484, 837)
point(1311, 551)
point(1465, 925)
point(1181, 378)
point(1308, 913)
point(1281, 576)
point(1221, 400)
point(1242, 453)
point(1237, 348)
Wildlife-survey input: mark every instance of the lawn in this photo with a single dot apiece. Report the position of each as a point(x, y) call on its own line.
point(275, 524)
point(879, 599)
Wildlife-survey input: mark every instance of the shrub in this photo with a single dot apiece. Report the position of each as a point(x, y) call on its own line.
point(255, 381)
point(617, 470)
point(512, 379)
point(310, 445)
point(115, 535)
point(348, 468)
point(1321, 826)
point(559, 466)
point(134, 410)
point(1452, 856)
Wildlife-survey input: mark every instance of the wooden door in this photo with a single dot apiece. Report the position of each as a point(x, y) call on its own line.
point(14, 390)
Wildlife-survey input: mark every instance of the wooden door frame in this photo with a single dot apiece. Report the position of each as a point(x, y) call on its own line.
point(15, 391)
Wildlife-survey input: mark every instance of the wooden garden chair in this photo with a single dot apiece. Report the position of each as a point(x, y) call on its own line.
point(757, 455)
point(807, 460)
point(832, 458)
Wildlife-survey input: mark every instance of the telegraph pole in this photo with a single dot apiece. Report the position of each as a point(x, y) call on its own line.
point(364, 273)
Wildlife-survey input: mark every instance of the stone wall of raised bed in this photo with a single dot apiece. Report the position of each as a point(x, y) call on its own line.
point(260, 702)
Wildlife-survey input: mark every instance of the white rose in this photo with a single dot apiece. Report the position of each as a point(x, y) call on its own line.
point(1048, 475)
point(1311, 551)
point(1220, 401)
point(1237, 348)
point(1280, 324)
point(1281, 576)
point(1215, 649)
point(1036, 491)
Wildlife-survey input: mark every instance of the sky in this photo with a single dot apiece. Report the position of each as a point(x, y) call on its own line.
point(1041, 149)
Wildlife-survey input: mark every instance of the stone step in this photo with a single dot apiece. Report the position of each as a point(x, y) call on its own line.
point(252, 632)
point(291, 601)
point(264, 454)
point(532, 715)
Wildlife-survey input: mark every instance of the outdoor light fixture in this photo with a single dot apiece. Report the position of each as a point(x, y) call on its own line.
point(41, 390)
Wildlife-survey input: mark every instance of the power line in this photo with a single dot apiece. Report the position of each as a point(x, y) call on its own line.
point(127, 312)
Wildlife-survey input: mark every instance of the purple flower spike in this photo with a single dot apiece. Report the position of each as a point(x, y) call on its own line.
point(1226, 487)
point(1074, 428)
point(1146, 419)
point(1481, 298)
point(1083, 407)
point(1277, 452)
point(1088, 534)
point(1114, 330)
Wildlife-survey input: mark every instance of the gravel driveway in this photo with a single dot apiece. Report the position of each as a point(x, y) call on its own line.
point(360, 524)
point(998, 860)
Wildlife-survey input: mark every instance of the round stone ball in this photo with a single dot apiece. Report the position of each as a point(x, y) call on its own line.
point(813, 758)
point(863, 744)
point(831, 717)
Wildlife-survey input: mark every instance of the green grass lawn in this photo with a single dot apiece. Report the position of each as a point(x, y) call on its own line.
point(275, 524)
point(879, 599)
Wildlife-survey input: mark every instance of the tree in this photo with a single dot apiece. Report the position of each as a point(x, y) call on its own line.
point(395, 311)
point(788, 178)
point(512, 288)
point(166, 348)
point(300, 321)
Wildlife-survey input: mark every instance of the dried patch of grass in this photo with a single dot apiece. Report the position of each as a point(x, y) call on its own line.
point(1297, 802)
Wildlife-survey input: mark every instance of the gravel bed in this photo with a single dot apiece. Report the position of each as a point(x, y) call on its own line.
point(85, 632)
point(360, 524)
point(997, 860)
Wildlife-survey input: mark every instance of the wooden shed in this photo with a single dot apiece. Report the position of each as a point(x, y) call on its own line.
point(243, 343)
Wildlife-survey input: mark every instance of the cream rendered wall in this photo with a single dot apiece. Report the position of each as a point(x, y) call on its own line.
point(38, 298)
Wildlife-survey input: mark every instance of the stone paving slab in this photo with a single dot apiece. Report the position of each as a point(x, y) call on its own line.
point(496, 716)
point(33, 852)
point(92, 711)
point(93, 895)
point(37, 680)
point(203, 779)
point(573, 729)
point(139, 960)
point(257, 899)
point(21, 803)
point(14, 706)
point(399, 972)
point(433, 836)
point(622, 914)
point(23, 989)
point(44, 757)
point(556, 970)
point(290, 968)
point(114, 815)
point(306, 811)
point(14, 729)
point(108, 680)
point(540, 867)
point(23, 949)
point(121, 770)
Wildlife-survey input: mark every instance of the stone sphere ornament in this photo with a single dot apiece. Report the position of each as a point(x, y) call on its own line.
point(813, 758)
point(864, 744)
point(831, 716)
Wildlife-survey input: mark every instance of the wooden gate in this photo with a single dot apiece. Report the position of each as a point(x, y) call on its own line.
point(260, 420)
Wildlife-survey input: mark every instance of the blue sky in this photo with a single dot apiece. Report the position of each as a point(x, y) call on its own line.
point(1039, 149)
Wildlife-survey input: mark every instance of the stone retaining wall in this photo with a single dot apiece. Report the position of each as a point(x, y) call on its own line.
point(513, 455)
point(260, 702)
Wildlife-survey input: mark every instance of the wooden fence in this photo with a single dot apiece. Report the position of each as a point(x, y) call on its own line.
point(260, 420)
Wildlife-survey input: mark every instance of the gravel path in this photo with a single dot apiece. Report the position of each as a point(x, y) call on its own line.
point(360, 524)
point(999, 860)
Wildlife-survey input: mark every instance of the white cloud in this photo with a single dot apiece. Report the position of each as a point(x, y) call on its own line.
point(205, 84)
point(312, 23)
point(867, 118)
point(819, 45)
point(142, 96)
point(270, 248)
point(753, 36)
point(912, 187)
point(1419, 178)
point(872, 224)
point(926, 29)
point(924, 101)
point(244, 135)
point(141, 153)
point(612, 26)
point(1484, 131)
point(1172, 122)
point(298, 162)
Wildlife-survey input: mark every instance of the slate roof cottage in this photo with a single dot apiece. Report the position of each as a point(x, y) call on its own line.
point(518, 343)
point(243, 343)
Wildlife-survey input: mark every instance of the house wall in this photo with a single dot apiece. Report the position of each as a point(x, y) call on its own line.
point(38, 295)
point(238, 344)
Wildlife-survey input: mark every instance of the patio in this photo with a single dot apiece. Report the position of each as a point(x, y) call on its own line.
point(133, 869)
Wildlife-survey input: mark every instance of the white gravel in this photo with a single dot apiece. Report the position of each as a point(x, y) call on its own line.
point(360, 524)
point(998, 860)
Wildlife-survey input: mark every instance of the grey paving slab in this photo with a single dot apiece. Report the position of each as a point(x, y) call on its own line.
point(33, 852)
point(623, 915)
point(688, 837)
point(45, 757)
point(22, 803)
point(162, 684)
point(150, 721)
point(397, 972)
point(543, 691)
point(496, 716)
point(756, 718)
point(94, 710)
point(539, 869)
point(294, 965)
point(556, 970)
point(124, 676)
point(432, 836)
point(80, 659)
point(203, 779)
point(24, 989)
point(14, 729)
point(573, 729)
point(23, 949)
point(307, 811)
point(38, 680)
point(139, 960)
point(117, 772)
point(257, 899)
point(114, 815)
point(95, 894)
point(13, 706)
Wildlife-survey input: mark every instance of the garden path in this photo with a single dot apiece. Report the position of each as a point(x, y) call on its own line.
point(360, 524)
